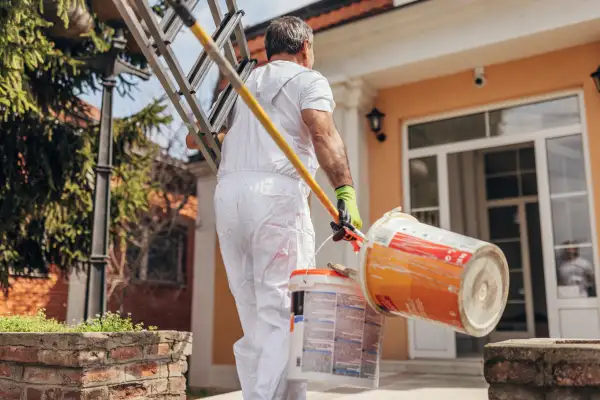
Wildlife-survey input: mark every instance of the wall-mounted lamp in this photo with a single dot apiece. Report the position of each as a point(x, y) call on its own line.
point(596, 77)
point(376, 122)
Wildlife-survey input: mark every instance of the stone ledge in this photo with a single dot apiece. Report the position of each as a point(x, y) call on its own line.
point(98, 365)
point(543, 369)
point(90, 349)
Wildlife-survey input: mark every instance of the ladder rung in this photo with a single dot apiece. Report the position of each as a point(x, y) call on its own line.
point(221, 36)
point(226, 101)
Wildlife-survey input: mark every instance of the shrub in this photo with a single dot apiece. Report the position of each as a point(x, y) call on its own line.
point(109, 322)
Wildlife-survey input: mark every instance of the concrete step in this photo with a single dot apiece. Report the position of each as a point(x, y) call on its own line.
point(466, 367)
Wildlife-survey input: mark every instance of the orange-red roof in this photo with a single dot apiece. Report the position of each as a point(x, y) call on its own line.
point(320, 16)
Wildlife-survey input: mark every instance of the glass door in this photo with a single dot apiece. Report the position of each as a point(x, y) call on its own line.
point(428, 200)
point(570, 239)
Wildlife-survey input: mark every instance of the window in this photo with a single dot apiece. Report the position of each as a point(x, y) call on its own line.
point(507, 121)
point(424, 202)
point(447, 131)
point(510, 173)
point(166, 259)
point(28, 273)
point(571, 226)
point(535, 117)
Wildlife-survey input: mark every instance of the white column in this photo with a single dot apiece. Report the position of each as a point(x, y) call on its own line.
point(203, 296)
point(353, 100)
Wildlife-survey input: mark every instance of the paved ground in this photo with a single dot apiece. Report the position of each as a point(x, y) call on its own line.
point(401, 386)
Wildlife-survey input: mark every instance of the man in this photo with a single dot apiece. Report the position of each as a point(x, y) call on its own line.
point(575, 271)
point(261, 204)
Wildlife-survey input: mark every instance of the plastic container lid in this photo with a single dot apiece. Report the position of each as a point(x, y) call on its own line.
point(484, 291)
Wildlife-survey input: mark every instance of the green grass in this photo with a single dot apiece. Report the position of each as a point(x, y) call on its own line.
point(109, 322)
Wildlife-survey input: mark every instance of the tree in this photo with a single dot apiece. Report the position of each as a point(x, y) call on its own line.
point(48, 140)
point(136, 230)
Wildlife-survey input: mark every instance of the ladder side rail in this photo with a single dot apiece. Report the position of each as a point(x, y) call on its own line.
point(135, 27)
point(184, 86)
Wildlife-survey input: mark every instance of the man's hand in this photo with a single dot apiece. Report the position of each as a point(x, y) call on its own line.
point(349, 218)
point(191, 143)
point(347, 195)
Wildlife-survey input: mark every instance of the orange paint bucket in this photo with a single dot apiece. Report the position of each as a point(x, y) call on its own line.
point(419, 271)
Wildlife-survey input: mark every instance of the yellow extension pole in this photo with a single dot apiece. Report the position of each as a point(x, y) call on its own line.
point(230, 73)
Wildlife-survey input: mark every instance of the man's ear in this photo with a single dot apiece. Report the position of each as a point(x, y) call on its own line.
point(305, 49)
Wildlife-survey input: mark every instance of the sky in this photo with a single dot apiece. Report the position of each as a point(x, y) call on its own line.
point(187, 50)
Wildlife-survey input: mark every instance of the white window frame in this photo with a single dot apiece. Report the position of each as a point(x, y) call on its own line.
point(539, 139)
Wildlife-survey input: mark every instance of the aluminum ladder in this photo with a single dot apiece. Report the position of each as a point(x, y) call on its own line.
point(154, 36)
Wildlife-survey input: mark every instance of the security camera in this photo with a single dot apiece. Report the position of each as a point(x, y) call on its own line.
point(479, 77)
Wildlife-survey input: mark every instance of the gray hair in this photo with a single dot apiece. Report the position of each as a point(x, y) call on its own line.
point(287, 35)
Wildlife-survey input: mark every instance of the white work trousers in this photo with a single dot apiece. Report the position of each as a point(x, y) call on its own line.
point(265, 233)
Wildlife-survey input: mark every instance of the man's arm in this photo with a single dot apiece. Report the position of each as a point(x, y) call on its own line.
point(317, 105)
point(329, 146)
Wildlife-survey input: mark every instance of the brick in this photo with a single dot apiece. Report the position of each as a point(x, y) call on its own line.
point(53, 394)
point(131, 339)
point(91, 357)
point(177, 368)
point(9, 390)
point(11, 370)
point(52, 376)
point(100, 393)
point(102, 376)
point(515, 372)
point(181, 350)
point(157, 351)
point(128, 391)
point(6, 370)
point(126, 353)
point(569, 394)
point(19, 354)
point(34, 394)
point(71, 358)
point(148, 370)
point(157, 386)
point(73, 395)
point(513, 392)
point(177, 384)
point(96, 394)
point(44, 394)
point(575, 375)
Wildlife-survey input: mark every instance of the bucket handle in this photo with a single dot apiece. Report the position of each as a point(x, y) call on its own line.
point(314, 257)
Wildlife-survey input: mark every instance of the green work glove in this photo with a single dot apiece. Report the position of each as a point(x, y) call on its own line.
point(347, 194)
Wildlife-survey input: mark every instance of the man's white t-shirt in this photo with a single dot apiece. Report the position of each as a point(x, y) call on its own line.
point(283, 89)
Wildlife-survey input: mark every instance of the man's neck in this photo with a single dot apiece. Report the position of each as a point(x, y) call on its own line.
point(287, 57)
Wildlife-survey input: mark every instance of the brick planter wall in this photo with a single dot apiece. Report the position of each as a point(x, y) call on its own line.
point(543, 369)
point(93, 366)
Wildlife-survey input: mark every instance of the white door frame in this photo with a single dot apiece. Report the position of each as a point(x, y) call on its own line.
point(538, 138)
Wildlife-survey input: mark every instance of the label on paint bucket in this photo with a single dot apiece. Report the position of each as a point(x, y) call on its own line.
point(341, 336)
